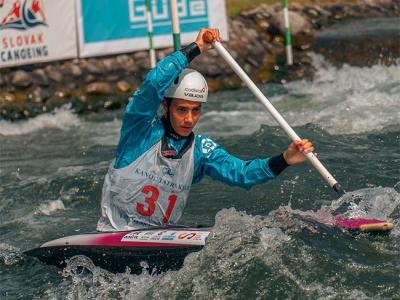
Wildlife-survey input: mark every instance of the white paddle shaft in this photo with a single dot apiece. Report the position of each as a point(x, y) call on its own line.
point(275, 114)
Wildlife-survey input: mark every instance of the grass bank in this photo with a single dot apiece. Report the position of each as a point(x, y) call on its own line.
point(234, 7)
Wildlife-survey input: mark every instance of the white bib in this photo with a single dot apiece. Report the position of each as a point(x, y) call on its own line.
point(151, 191)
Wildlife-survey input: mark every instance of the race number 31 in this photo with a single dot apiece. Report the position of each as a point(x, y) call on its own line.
point(147, 209)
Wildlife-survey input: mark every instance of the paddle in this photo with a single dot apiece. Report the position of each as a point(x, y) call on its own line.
point(208, 37)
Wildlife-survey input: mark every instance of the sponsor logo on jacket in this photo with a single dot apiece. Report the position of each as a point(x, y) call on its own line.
point(207, 145)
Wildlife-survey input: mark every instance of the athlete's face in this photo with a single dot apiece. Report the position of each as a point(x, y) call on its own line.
point(184, 115)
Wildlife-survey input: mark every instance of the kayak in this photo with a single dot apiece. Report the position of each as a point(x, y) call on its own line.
point(161, 248)
point(361, 225)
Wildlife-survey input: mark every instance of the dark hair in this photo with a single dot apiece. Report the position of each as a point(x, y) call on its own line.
point(169, 101)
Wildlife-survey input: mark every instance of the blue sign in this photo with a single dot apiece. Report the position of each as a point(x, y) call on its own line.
point(109, 20)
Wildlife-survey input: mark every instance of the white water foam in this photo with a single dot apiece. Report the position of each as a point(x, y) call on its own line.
point(49, 207)
point(370, 203)
point(61, 118)
point(104, 133)
point(352, 99)
point(238, 242)
point(345, 100)
point(228, 251)
point(10, 255)
point(71, 171)
point(226, 123)
point(379, 202)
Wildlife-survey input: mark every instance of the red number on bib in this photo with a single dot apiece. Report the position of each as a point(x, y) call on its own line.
point(151, 201)
point(171, 204)
point(152, 192)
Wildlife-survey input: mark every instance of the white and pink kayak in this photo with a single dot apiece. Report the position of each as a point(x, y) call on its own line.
point(161, 248)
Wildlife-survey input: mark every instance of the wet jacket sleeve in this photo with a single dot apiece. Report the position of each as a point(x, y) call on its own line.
point(144, 104)
point(214, 161)
point(138, 123)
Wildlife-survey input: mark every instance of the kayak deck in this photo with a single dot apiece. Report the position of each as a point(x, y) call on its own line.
point(161, 249)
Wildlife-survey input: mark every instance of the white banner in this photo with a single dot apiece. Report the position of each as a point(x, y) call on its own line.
point(118, 26)
point(33, 31)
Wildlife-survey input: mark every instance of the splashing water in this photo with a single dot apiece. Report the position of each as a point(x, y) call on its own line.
point(10, 255)
point(345, 100)
point(257, 256)
point(369, 203)
point(61, 118)
point(50, 207)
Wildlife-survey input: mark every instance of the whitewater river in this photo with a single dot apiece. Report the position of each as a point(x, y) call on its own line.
point(265, 242)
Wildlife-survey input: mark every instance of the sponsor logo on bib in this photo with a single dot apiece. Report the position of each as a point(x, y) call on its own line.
point(168, 171)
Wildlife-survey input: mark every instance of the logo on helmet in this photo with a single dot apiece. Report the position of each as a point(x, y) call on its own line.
point(194, 90)
point(195, 93)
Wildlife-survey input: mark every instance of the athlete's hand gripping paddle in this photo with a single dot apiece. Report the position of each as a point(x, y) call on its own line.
point(208, 37)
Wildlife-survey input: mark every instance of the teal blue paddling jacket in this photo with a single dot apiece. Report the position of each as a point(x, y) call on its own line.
point(142, 128)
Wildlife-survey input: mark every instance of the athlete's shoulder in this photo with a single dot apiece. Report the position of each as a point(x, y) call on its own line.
point(205, 145)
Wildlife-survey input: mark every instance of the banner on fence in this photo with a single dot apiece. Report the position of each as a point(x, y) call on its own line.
point(118, 26)
point(34, 31)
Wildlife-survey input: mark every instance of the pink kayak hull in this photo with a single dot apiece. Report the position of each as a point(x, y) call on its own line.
point(162, 249)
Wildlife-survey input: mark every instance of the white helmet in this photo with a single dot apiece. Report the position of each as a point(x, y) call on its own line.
point(190, 85)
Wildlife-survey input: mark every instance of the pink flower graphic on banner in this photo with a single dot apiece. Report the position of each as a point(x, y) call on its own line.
point(29, 15)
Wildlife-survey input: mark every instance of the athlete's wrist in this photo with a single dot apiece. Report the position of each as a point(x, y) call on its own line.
point(277, 164)
point(191, 51)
